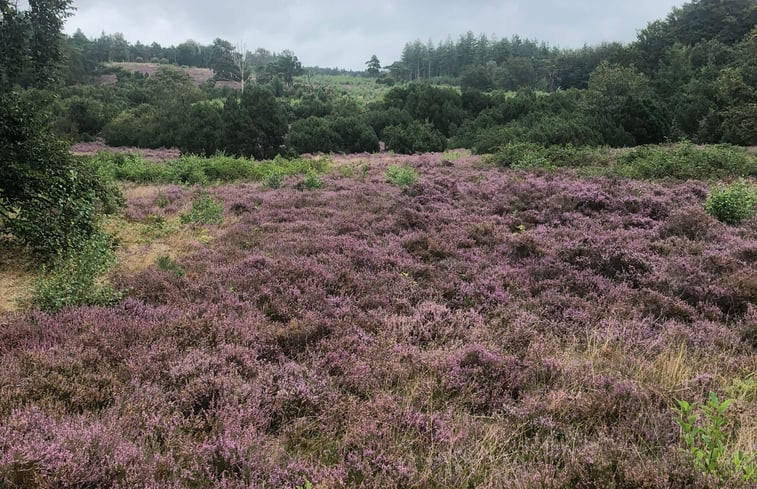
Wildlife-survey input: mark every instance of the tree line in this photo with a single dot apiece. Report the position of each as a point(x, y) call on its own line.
point(514, 63)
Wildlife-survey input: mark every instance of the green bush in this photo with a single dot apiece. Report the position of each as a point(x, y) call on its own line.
point(686, 161)
point(76, 277)
point(273, 179)
point(312, 181)
point(191, 170)
point(401, 176)
point(733, 203)
point(531, 155)
point(414, 138)
point(205, 210)
point(49, 199)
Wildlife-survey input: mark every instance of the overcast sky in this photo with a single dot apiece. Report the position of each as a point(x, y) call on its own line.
point(344, 33)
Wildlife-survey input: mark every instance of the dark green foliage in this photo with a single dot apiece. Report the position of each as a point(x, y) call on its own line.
point(373, 66)
point(82, 117)
point(474, 101)
point(414, 138)
point(167, 264)
point(530, 155)
point(477, 77)
point(222, 60)
point(30, 42)
point(200, 133)
point(441, 107)
point(333, 134)
point(255, 125)
point(380, 118)
point(139, 127)
point(355, 135)
point(644, 119)
point(312, 135)
point(48, 198)
point(733, 203)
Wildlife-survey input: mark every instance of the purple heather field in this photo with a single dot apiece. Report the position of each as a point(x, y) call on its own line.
point(481, 328)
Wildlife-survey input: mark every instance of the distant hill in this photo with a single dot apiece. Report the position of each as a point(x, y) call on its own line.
point(199, 75)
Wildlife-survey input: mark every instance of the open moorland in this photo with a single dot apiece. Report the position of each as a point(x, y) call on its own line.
point(492, 262)
point(393, 321)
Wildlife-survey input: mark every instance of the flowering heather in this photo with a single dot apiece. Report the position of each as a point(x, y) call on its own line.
point(478, 328)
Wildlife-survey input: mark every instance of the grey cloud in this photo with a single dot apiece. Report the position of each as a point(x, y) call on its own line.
point(345, 33)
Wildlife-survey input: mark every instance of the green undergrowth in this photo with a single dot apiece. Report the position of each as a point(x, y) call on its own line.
point(77, 278)
point(681, 161)
point(192, 170)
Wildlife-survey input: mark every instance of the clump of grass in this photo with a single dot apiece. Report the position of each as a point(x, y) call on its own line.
point(76, 278)
point(205, 210)
point(401, 176)
point(732, 203)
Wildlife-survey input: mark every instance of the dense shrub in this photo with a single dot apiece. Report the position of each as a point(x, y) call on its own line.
point(355, 135)
point(134, 127)
point(190, 170)
point(379, 119)
point(414, 138)
point(312, 135)
point(254, 126)
point(440, 107)
point(684, 160)
point(531, 155)
point(200, 132)
point(733, 203)
point(49, 199)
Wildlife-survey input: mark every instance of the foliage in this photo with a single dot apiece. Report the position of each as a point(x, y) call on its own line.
point(75, 278)
point(441, 107)
point(684, 160)
point(48, 198)
point(254, 126)
point(414, 138)
point(332, 134)
point(705, 435)
point(167, 264)
point(312, 180)
point(312, 135)
point(373, 66)
point(273, 178)
point(530, 155)
point(191, 170)
point(367, 336)
point(205, 210)
point(733, 203)
point(401, 176)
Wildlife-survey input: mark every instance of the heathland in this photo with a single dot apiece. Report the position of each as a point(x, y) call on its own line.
point(520, 267)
